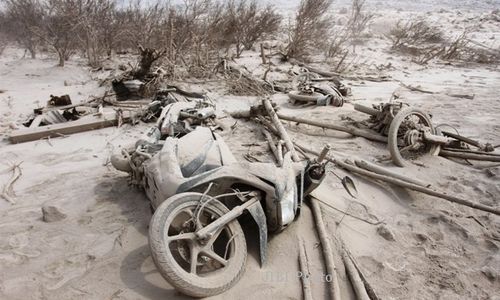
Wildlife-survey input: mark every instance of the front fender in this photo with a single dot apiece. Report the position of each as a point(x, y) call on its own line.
point(230, 175)
point(259, 216)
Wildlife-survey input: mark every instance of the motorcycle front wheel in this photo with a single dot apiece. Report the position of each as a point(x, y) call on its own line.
point(198, 268)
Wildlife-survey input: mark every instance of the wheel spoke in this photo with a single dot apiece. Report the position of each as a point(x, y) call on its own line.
point(214, 237)
point(182, 236)
point(194, 258)
point(189, 212)
point(211, 253)
point(407, 148)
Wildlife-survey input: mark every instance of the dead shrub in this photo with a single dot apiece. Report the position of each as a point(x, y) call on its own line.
point(310, 30)
point(425, 42)
point(245, 22)
point(358, 20)
point(337, 49)
point(414, 32)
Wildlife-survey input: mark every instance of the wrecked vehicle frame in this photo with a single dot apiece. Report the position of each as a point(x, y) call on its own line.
point(199, 191)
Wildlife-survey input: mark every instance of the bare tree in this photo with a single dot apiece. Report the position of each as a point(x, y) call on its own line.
point(99, 29)
point(22, 17)
point(310, 30)
point(60, 25)
point(143, 24)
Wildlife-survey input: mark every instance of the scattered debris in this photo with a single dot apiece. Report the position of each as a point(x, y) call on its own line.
point(312, 89)
point(411, 133)
point(59, 100)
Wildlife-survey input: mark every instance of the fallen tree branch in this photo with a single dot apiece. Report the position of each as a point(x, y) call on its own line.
point(331, 270)
point(284, 135)
point(381, 170)
point(367, 286)
point(354, 277)
point(472, 156)
point(350, 130)
point(305, 273)
point(405, 184)
point(416, 89)
point(274, 149)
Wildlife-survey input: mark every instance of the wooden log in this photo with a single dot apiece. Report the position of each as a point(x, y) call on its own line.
point(383, 171)
point(407, 185)
point(350, 130)
point(81, 125)
point(472, 156)
point(277, 123)
point(331, 270)
point(356, 282)
point(280, 151)
point(305, 273)
point(272, 146)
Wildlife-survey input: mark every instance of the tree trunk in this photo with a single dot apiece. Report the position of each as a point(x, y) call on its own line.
point(61, 59)
point(32, 51)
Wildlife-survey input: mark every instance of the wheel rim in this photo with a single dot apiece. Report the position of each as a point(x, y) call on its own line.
point(410, 135)
point(201, 258)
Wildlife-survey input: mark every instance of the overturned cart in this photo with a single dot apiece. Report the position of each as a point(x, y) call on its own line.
point(199, 191)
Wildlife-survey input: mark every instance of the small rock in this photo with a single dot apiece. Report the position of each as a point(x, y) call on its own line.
point(384, 232)
point(421, 237)
point(489, 273)
point(52, 214)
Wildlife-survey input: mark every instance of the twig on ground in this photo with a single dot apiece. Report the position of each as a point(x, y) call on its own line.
point(8, 190)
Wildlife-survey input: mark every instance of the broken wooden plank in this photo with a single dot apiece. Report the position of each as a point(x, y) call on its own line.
point(81, 125)
point(36, 121)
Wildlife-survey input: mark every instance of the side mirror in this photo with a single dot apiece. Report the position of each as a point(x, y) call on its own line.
point(350, 187)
